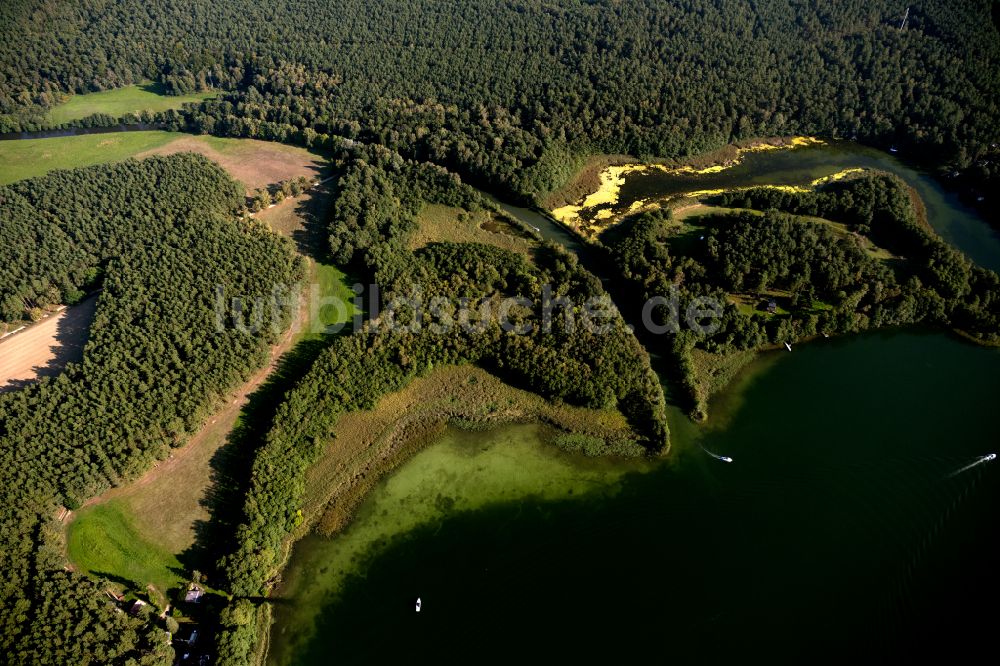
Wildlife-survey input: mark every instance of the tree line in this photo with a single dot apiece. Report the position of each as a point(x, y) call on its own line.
point(824, 281)
point(509, 94)
point(161, 235)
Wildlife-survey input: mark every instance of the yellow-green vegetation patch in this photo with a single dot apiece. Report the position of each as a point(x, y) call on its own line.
point(599, 208)
point(437, 223)
point(29, 158)
point(713, 372)
point(330, 300)
point(103, 541)
point(121, 101)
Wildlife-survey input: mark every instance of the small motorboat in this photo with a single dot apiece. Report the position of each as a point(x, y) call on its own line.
point(989, 457)
point(788, 346)
point(418, 604)
point(725, 459)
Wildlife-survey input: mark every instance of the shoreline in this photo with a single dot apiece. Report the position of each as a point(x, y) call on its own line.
point(380, 451)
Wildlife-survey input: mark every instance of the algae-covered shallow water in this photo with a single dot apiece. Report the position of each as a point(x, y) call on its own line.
point(837, 531)
point(840, 532)
point(460, 473)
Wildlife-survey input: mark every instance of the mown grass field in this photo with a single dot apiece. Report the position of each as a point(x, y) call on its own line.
point(335, 303)
point(35, 157)
point(254, 163)
point(104, 540)
point(120, 101)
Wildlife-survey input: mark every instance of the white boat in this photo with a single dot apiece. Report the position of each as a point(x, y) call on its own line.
point(991, 456)
point(418, 604)
point(788, 346)
point(726, 459)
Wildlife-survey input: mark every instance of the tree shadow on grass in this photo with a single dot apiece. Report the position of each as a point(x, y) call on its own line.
point(72, 333)
point(231, 465)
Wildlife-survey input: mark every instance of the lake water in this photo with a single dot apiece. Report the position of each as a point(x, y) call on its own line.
point(837, 530)
point(840, 531)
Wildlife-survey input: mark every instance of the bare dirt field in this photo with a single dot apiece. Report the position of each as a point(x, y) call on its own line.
point(43, 349)
point(254, 163)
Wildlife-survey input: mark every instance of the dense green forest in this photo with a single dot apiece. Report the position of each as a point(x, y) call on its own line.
point(158, 235)
point(419, 98)
point(824, 281)
point(509, 92)
point(379, 195)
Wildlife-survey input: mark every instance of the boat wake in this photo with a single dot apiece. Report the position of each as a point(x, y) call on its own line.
point(716, 456)
point(979, 461)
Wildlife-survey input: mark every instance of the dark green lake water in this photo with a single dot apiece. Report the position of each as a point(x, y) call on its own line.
point(838, 532)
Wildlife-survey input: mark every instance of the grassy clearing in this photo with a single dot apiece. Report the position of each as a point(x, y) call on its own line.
point(756, 303)
point(437, 223)
point(121, 101)
point(713, 372)
point(701, 210)
point(254, 163)
point(331, 301)
point(35, 157)
point(103, 540)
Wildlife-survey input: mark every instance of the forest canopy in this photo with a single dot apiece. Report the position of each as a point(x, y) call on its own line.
point(162, 234)
point(509, 92)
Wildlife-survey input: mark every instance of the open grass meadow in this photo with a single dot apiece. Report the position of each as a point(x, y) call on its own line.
point(254, 163)
point(437, 223)
point(103, 540)
point(29, 158)
point(121, 101)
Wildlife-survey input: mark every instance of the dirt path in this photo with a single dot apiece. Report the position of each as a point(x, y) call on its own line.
point(45, 348)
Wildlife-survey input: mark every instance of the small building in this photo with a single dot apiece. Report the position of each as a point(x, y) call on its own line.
point(194, 595)
point(187, 634)
point(772, 306)
point(136, 606)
